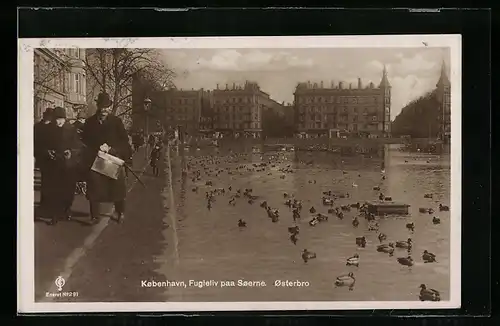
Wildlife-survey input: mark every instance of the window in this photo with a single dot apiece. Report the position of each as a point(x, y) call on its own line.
point(77, 83)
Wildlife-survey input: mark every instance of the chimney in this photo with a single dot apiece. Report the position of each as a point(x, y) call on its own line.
point(350, 85)
point(341, 85)
point(234, 86)
point(321, 84)
point(360, 85)
point(217, 86)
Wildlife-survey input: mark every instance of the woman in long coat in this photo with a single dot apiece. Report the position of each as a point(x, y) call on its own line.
point(106, 132)
point(62, 156)
point(40, 136)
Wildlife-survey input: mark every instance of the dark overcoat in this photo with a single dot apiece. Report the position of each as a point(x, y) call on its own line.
point(111, 131)
point(59, 173)
point(40, 136)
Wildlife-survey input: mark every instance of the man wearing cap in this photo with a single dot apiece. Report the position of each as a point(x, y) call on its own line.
point(40, 149)
point(105, 132)
point(62, 153)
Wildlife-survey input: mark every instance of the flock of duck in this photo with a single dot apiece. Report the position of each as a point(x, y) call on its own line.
point(211, 167)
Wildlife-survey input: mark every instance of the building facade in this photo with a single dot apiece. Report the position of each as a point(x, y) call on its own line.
point(59, 80)
point(183, 109)
point(238, 110)
point(207, 113)
point(171, 109)
point(319, 110)
point(443, 92)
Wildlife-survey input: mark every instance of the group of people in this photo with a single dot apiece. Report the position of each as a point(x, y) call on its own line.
point(65, 154)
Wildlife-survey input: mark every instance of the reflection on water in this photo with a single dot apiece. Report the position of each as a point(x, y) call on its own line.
point(213, 247)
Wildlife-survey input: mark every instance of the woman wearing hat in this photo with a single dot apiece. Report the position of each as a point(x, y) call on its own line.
point(62, 154)
point(40, 134)
point(105, 132)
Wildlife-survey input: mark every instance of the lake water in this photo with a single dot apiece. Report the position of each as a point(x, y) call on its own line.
point(211, 246)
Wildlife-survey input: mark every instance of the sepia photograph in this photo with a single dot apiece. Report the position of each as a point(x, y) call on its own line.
point(239, 173)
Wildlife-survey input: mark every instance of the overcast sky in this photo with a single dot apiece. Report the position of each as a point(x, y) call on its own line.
point(411, 71)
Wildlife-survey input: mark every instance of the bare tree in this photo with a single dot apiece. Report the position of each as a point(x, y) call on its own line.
point(112, 70)
point(50, 68)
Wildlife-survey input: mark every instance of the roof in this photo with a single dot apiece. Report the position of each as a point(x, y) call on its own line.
point(384, 82)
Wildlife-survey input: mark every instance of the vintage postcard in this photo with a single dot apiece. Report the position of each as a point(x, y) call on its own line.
point(239, 173)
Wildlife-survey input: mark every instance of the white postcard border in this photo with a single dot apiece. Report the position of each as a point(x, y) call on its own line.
point(25, 236)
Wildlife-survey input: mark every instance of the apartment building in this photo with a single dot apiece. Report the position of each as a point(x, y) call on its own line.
point(320, 109)
point(59, 80)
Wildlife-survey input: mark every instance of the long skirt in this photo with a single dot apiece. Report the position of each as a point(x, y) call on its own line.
point(103, 189)
point(58, 191)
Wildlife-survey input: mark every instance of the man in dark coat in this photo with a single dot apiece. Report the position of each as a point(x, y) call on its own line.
point(106, 132)
point(62, 155)
point(40, 135)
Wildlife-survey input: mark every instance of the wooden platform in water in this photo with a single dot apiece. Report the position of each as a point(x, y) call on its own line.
point(387, 207)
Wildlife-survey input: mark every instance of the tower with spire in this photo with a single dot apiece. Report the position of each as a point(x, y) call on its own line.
point(385, 88)
point(443, 88)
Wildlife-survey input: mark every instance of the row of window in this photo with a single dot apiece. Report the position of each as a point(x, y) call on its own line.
point(323, 125)
point(236, 117)
point(332, 109)
point(234, 108)
point(316, 117)
point(51, 74)
point(183, 101)
point(185, 110)
point(253, 125)
point(235, 100)
point(341, 99)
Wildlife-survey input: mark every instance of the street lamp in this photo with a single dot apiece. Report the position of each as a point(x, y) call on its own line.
point(147, 105)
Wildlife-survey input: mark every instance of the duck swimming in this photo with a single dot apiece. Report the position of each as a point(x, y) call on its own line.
point(346, 280)
point(428, 294)
point(382, 237)
point(406, 261)
point(322, 217)
point(293, 238)
point(386, 248)
point(443, 208)
point(428, 257)
point(312, 210)
point(307, 255)
point(404, 244)
point(361, 242)
point(355, 222)
point(327, 201)
point(314, 221)
point(373, 226)
point(293, 229)
point(436, 220)
point(242, 223)
point(353, 261)
point(410, 226)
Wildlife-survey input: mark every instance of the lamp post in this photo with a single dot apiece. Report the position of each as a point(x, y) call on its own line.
point(147, 105)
